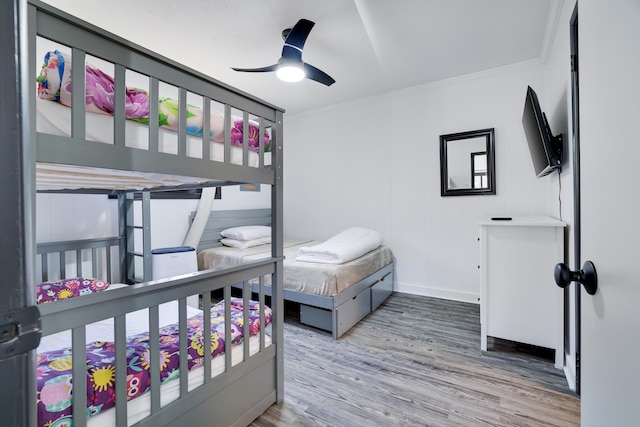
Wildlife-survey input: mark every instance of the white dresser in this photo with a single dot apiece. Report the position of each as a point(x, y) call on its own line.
point(519, 300)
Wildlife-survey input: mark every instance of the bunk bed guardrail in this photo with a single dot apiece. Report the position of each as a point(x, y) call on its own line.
point(88, 257)
point(86, 39)
point(75, 314)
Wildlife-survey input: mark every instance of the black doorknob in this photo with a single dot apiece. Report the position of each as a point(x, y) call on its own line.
point(587, 276)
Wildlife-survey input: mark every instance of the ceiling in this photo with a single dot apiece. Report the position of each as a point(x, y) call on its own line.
point(367, 46)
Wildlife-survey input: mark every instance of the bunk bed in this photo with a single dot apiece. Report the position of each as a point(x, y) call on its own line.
point(332, 297)
point(231, 389)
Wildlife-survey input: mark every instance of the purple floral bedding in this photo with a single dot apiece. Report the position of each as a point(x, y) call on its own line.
point(54, 83)
point(54, 380)
point(68, 288)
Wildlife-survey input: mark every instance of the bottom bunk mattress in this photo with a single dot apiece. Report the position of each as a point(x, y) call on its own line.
point(305, 277)
point(54, 380)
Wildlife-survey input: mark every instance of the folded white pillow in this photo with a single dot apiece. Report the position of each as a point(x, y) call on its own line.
point(247, 232)
point(244, 244)
point(343, 247)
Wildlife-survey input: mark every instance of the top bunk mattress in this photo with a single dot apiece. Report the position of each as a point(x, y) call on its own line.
point(137, 121)
point(306, 277)
point(54, 119)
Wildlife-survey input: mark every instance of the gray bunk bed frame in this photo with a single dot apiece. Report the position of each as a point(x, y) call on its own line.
point(336, 313)
point(241, 392)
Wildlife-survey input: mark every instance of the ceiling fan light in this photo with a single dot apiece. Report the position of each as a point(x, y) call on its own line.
point(290, 73)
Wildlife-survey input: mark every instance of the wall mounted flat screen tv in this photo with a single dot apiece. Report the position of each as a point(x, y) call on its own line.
point(545, 149)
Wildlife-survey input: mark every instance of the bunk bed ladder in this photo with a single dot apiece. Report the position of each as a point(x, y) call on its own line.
point(138, 237)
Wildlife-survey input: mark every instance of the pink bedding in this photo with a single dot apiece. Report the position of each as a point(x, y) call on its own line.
point(54, 84)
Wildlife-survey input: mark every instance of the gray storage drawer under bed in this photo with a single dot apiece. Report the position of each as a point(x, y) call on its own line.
point(347, 314)
point(374, 289)
point(381, 290)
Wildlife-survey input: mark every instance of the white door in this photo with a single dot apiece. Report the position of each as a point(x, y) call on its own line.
point(609, 49)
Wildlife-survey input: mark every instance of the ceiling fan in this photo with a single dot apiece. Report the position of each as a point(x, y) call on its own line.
point(290, 66)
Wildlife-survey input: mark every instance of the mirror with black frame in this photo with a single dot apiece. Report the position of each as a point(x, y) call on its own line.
point(467, 163)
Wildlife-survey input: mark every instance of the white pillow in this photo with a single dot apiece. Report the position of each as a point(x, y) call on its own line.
point(247, 232)
point(244, 244)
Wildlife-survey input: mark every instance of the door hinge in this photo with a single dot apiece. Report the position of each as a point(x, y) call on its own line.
point(574, 63)
point(20, 331)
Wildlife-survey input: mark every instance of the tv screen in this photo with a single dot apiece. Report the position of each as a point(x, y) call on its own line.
point(545, 149)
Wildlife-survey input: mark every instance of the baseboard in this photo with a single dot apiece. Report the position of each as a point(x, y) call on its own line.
point(437, 293)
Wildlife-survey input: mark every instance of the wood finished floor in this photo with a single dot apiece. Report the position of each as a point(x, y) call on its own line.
point(416, 361)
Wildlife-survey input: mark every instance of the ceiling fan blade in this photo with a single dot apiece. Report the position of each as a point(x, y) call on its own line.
point(290, 53)
point(318, 75)
point(299, 33)
point(273, 67)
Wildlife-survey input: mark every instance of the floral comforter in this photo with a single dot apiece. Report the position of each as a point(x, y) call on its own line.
point(54, 379)
point(54, 83)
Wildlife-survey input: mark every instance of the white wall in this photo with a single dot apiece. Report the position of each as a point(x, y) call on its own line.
point(170, 218)
point(376, 164)
point(71, 216)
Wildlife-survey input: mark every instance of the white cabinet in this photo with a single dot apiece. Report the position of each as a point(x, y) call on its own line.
point(519, 300)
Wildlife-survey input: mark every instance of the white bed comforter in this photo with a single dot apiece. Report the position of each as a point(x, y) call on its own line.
point(305, 277)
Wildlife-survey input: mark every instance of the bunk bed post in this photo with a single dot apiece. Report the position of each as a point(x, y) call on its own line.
point(130, 237)
point(277, 298)
point(19, 318)
point(122, 233)
point(146, 236)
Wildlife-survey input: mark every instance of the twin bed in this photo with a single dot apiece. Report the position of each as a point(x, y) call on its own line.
point(139, 350)
point(350, 280)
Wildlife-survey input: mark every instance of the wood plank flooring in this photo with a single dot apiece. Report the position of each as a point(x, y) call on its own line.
point(416, 361)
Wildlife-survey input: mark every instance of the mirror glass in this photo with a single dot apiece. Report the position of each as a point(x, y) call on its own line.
point(467, 164)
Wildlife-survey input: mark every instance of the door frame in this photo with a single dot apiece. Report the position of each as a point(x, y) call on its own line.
point(573, 291)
